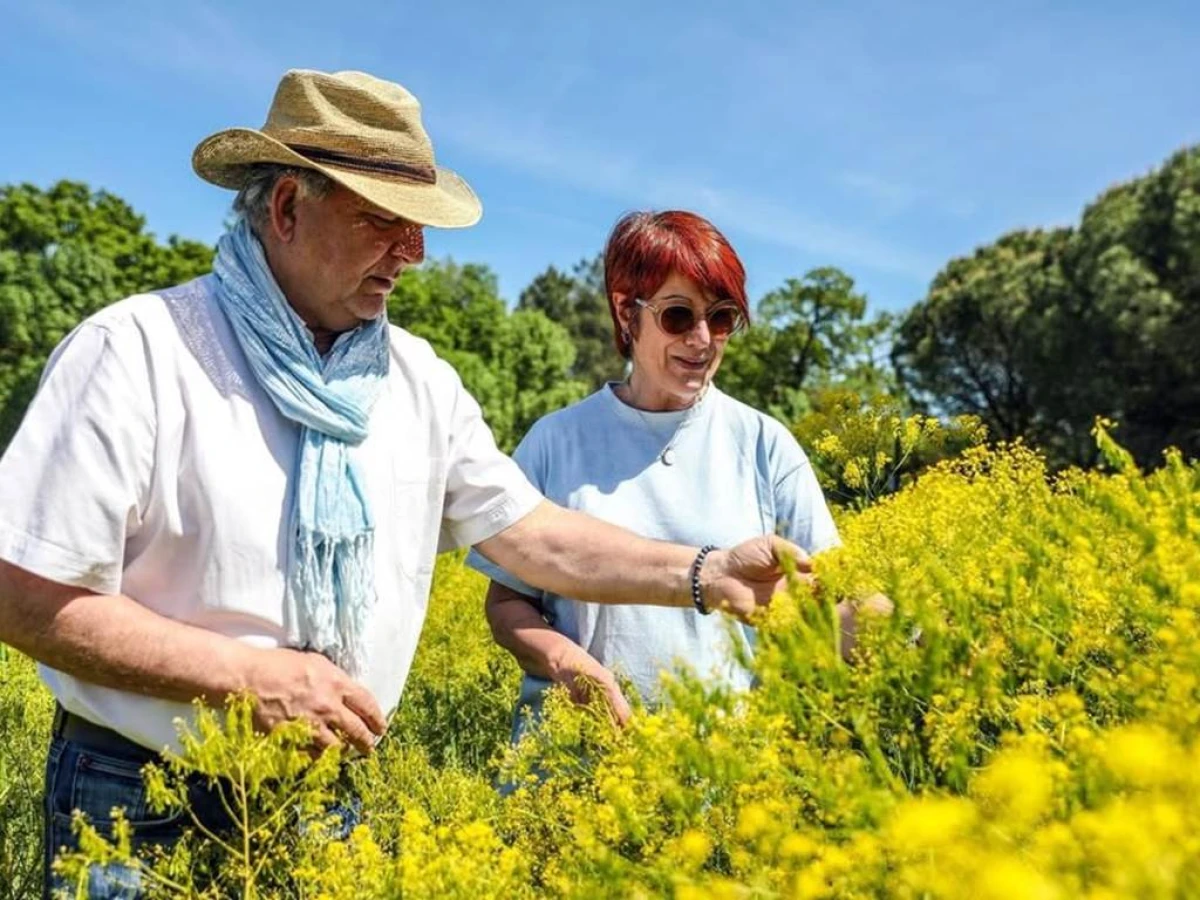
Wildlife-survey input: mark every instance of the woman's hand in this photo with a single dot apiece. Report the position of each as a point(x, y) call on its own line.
point(850, 612)
point(518, 626)
point(584, 677)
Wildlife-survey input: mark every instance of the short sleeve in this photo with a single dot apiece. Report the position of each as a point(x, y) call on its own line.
point(75, 479)
point(485, 490)
point(530, 458)
point(801, 514)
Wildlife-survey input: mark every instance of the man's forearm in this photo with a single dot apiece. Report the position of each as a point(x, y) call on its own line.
point(114, 641)
point(575, 555)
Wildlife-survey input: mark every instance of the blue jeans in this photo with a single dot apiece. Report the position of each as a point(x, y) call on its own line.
point(79, 777)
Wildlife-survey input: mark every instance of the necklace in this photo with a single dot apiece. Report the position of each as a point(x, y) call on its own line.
point(667, 455)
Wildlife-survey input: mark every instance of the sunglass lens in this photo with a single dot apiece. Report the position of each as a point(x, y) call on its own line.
point(677, 319)
point(722, 321)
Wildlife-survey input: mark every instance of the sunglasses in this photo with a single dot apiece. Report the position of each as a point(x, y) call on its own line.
point(679, 318)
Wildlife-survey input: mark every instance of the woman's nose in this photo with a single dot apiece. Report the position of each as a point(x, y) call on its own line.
point(698, 334)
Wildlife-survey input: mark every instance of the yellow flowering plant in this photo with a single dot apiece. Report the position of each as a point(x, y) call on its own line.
point(864, 447)
point(1039, 739)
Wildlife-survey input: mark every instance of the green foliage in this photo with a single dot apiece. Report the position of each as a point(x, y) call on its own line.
point(866, 447)
point(459, 694)
point(579, 303)
point(1040, 332)
point(65, 253)
point(809, 332)
point(992, 339)
point(25, 712)
point(516, 365)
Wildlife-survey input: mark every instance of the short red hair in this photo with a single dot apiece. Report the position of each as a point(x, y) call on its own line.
point(646, 247)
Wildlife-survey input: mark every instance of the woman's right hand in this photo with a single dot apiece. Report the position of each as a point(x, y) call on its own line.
point(583, 676)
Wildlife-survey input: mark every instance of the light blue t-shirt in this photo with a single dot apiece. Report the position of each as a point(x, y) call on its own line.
point(734, 473)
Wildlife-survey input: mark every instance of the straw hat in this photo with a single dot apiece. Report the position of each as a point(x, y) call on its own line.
point(364, 133)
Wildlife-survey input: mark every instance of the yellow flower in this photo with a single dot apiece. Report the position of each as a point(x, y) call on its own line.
point(923, 824)
point(1142, 755)
point(1017, 786)
point(695, 847)
point(753, 820)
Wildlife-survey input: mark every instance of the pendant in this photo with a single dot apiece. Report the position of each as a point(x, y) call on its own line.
point(668, 457)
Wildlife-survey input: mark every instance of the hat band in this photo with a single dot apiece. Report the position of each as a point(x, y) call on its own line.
point(423, 174)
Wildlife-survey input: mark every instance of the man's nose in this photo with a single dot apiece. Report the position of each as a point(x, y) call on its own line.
point(409, 244)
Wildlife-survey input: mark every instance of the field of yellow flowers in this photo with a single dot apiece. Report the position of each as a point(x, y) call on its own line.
point(1039, 739)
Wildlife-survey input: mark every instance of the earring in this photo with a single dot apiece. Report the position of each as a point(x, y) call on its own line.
point(625, 335)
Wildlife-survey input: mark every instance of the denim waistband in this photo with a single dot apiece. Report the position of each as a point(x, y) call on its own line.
point(75, 728)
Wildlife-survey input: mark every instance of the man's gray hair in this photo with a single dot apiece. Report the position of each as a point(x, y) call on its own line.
point(253, 201)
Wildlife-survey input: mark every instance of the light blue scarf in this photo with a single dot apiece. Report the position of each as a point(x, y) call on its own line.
point(330, 578)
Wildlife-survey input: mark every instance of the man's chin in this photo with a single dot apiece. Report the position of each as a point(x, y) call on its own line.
point(369, 307)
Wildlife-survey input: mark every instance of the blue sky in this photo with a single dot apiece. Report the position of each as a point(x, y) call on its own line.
point(884, 138)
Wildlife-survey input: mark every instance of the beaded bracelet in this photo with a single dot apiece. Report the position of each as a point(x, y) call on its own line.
point(697, 600)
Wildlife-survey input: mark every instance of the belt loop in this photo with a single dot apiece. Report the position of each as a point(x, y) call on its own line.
point(60, 719)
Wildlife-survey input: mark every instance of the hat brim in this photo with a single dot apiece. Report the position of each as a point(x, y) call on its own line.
point(224, 159)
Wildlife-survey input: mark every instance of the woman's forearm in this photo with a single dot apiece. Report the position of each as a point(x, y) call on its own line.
point(519, 628)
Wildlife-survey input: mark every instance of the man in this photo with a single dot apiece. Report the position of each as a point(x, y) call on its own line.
point(241, 483)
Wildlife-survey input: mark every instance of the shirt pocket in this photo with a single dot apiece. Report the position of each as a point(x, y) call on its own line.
point(418, 495)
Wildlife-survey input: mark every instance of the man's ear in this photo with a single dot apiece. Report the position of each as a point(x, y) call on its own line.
point(283, 208)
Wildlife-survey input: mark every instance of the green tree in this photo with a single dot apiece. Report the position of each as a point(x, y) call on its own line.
point(516, 365)
point(579, 303)
point(1135, 264)
point(538, 356)
point(810, 331)
point(1043, 331)
point(992, 337)
point(65, 253)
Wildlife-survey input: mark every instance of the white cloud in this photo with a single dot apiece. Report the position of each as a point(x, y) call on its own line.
point(620, 174)
point(193, 40)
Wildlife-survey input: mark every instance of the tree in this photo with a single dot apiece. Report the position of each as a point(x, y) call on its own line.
point(538, 355)
point(1043, 331)
point(65, 253)
point(578, 302)
point(809, 331)
point(1135, 262)
point(517, 366)
point(987, 339)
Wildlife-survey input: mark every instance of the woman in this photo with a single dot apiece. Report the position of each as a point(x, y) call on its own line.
point(664, 453)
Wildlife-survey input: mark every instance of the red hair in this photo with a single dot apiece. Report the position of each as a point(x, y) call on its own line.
point(646, 247)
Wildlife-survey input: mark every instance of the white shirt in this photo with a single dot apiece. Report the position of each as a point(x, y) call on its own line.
point(151, 464)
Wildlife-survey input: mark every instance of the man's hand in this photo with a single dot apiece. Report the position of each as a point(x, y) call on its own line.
point(584, 677)
point(744, 579)
point(297, 684)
